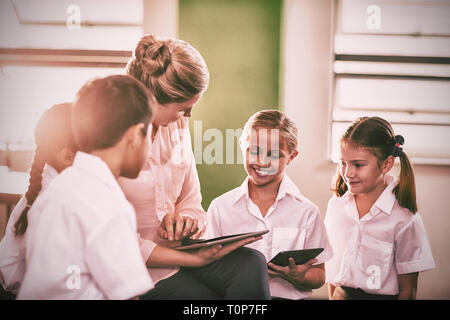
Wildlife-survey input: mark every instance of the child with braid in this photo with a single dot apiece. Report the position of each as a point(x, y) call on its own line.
point(55, 151)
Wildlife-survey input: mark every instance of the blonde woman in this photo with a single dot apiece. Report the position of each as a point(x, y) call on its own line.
point(166, 195)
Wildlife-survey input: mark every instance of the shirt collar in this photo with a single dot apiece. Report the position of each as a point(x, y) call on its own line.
point(385, 201)
point(242, 191)
point(287, 186)
point(48, 175)
point(96, 167)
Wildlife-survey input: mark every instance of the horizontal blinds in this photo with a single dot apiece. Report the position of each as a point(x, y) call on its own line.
point(392, 59)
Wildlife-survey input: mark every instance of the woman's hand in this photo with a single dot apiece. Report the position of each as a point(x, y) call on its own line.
point(174, 226)
point(299, 275)
point(166, 257)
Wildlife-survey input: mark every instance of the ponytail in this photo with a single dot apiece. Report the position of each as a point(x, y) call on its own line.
point(405, 191)
point(34, 188)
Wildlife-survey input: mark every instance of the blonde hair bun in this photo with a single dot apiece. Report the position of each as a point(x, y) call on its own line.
point(154, 54)
point(172, 69)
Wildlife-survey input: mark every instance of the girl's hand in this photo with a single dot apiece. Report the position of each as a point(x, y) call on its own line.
point(339, 294)
point(292, 273)
point(207, 255)
point(407, 285)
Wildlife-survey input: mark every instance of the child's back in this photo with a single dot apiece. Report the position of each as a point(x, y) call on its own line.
point(87, 228)
point(82, 241)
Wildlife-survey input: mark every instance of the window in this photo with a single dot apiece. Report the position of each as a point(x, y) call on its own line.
point(73, 24)
point(48, 50)
point(392, 59)
point(51, 49)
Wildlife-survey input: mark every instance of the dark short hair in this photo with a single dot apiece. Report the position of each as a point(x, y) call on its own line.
point(106, 108)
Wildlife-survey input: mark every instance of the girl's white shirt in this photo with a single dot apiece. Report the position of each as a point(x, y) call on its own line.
point(12, 247)
point(370, 252)
point(293, 221)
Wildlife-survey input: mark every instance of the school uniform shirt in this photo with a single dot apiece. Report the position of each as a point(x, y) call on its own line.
point(12, 247)
point(370, 252)
point(168, 183)
point(81, 241)
point(293, 221)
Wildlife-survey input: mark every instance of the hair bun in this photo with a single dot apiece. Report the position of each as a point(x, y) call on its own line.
point(153, 54)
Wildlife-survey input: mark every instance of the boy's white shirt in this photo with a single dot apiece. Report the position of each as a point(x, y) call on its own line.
point(293, 221)
point(12, 247)
point(168, 184)
point(81, 242)
point(370, 252)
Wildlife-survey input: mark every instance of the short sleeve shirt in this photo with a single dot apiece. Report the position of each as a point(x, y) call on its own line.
point(370, 252)
point(81, 241)
point(293, 221)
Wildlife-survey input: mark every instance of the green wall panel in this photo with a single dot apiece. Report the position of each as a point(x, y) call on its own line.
point(240, 41)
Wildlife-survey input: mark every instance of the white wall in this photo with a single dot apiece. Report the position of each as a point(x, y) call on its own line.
point(161, 17)
point(305, 83)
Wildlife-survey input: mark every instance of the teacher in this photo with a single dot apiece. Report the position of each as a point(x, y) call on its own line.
point(166, 195)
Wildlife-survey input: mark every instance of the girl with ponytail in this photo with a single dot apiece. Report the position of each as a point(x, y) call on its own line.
point(379, 240)
point(55, 151)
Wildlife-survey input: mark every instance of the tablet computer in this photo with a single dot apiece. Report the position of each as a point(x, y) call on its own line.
point(188, 244)
point(300, 256)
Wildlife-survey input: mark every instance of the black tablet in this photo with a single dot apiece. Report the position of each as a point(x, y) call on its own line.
point(187, 244)
point(300, 256)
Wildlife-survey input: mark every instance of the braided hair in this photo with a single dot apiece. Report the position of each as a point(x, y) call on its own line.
point(52, 133)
